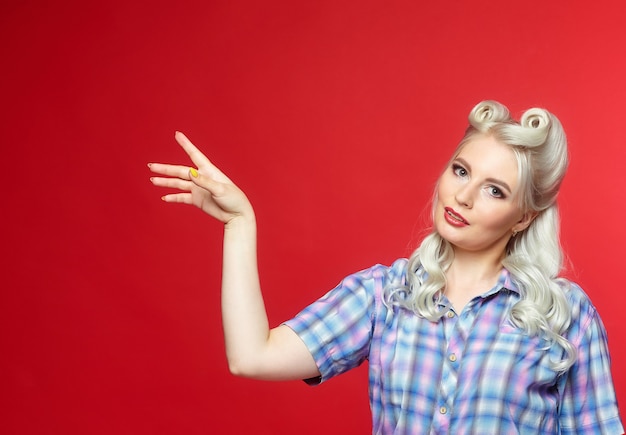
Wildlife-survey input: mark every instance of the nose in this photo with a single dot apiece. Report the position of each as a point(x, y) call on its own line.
point(464, 196)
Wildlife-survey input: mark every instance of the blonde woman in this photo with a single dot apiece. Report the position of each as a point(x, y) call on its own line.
point(475, 333)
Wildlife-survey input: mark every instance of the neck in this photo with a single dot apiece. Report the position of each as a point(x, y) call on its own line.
point(470, 275)
point(472, 267)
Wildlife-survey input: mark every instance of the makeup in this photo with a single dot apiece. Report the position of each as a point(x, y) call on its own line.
point(453, 218)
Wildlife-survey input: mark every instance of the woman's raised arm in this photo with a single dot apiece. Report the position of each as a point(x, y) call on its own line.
point(252, 349)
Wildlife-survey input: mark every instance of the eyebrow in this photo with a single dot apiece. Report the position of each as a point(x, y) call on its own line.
point(491, 180)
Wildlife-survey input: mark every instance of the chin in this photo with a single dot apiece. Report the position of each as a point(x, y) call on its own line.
point(454, 241)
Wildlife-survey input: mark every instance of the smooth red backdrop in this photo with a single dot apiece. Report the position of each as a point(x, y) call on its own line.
point(335, 118)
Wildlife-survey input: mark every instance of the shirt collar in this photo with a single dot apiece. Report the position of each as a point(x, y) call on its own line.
point(505, 282)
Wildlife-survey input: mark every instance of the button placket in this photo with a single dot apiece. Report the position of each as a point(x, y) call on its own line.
point(449, 373)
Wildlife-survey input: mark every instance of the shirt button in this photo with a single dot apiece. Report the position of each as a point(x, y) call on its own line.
point(452, 357)
point(443, 410)
point(450, 314)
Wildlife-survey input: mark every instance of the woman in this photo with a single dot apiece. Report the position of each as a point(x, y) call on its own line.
point(475, 333)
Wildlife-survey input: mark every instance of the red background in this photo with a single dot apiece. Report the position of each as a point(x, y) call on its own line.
point(334, 117)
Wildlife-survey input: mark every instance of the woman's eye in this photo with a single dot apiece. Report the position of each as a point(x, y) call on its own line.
point(459, 170)
point(495, 192)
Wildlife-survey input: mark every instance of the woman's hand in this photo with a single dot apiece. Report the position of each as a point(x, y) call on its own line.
point(207, 187)
point(252, 349)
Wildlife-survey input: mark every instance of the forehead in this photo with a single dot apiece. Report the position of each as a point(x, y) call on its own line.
point(489, 158)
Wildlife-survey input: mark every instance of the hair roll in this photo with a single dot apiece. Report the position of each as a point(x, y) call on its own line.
point(534, 256)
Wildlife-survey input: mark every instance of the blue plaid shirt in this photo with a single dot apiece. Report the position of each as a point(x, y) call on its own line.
point(471, 372)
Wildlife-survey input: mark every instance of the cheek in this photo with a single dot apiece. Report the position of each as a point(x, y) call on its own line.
point(501, 220)
point(444, 186)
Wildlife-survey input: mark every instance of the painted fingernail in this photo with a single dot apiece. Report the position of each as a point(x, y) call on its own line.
point(193, 172)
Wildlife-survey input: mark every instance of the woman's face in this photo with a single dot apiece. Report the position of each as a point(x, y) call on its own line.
point(477, 198)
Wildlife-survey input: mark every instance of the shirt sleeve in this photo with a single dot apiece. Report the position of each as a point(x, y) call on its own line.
point(589, 404)
point(337, 329)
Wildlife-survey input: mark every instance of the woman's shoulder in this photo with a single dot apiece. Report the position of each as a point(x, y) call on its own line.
point(393, 272)
point(575, 295)
point(376, 278)
point(583, 311)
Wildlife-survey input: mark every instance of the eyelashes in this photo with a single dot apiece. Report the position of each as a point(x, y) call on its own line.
point(459, 170)
point(493, 190)
point(496, 192)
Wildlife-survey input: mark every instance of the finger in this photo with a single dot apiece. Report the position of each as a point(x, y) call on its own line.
point(174, 183)
point(170, 170)
point(206, 182)
point(198, 158)
point(182, 198)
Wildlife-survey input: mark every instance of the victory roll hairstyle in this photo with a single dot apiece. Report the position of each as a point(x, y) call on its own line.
point(534, 257)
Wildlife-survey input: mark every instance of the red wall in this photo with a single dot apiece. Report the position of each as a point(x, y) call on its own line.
point(334, 117)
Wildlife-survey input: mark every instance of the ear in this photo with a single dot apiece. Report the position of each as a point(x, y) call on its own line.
point(525, 221)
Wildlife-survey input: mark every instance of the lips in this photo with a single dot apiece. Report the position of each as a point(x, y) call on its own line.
point(454, 218)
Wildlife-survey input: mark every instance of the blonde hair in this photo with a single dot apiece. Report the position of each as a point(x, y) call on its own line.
point(534, 257)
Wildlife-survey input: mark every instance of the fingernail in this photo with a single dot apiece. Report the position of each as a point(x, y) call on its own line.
point(193, 172)
point(149, 165)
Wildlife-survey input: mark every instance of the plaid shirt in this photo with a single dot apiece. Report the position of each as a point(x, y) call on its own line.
point(471, 372)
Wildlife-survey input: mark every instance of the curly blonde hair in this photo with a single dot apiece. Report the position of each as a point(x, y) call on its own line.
point(534, 257)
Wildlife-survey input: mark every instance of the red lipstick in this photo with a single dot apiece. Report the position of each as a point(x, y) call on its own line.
point(453, 218)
